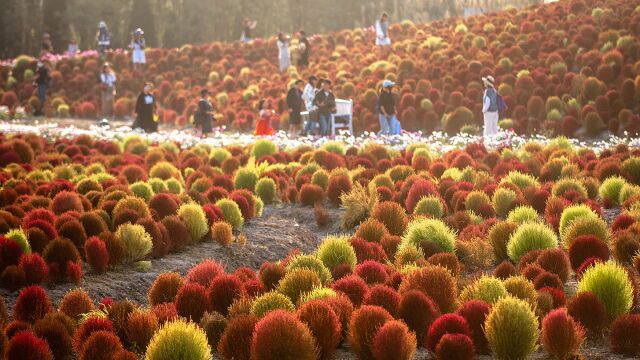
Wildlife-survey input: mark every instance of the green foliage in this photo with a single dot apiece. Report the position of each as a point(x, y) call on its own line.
point(174, 186)
point(503, 200)
point(573, 212)
point(511, 329)
point(334, 147)
point(312, 263)
point(297, 282)
point(179, 339)
point(422, 230)
point(263, 147)
point(142, 190)
point(20, 238)
point(319, 293)
point(611, 284)
point(271, 301)
point(266, 190)
point(219, 154)
point(164, 170)
point(231, 213)
point(611, 187)
point(475, 200)
point(194, 219)
point(530, 236)
point(429, 206)
point(522, 214)
point(157, 185)
point(585, 226)
point(563, 185)
point(320, 178)
point(520, 287)
point(245, 178)
point(137, 242)
point(520, 180)
point(487, 288)
point(336, 250)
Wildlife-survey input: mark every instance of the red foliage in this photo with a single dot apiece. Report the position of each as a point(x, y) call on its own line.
point(337, 186)
point(589, 311)
point(475, 312)
point(222, 291)
point(418, 190)
point(353, 286)
point(364, 324)
point(455, 346)
point(562, 336)
point(164, 288)
point(367, 250)
point(295, 340)
point(383, 296)
point(324, 325)
point(25, 345)
point(372, 272)
point(96, 254)
point(445, 324)
point(545, 279)
point(394, 340)
point(88, 327)
point(555, 261)
point(624, 335)
point(447, 260)
point(191, 301)
point(165, 312)
point(141, 325)
point(75, 303)
point(311, 194)
point(32, 304)
point(504, 270)
point(100, 345)
point(270, 274)
point(235, 342)
point(205, 272)
point(418, 311)
point(586, 246)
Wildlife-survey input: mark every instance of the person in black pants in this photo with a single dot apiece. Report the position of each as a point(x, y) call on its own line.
point(145, 110)
point(42, 81)
point(295, 103)
point(204, 115)
point(305, 48)
point(326, 103)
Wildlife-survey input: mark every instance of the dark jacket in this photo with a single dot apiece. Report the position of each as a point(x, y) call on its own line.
point(326, 103)
point(304, 56)
point(145, 113)
point(203, 118)
point(295, 105)
point(387, 102)
point(43, 76)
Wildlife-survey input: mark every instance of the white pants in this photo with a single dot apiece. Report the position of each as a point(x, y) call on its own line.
point(490, 123)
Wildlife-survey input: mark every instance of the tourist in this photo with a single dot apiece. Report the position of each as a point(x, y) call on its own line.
point(389, 124)
point(490, 107)
point(304, 48)
point(308, 95)
point(326, 103)
point(266, 114)
point(295, 105)
point(72, 49)
point(203, 117)
point(108, 87)
point(42, 81)
point(247, 28)
point(145, 110)
point(47, 46)
point(283, 52)
point(137, 46)
point(103, 37)
point(382, 32)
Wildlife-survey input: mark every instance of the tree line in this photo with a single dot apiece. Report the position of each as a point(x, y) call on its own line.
point(172, 23)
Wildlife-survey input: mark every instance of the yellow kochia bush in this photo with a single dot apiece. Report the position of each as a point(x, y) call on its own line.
point(179, 339)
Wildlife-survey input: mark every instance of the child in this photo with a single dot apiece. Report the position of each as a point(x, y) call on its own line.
point(263, 125)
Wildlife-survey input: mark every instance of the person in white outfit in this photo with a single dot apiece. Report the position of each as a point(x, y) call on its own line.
point(283, 52)
point(137, 46)
point(490, 107)
point(382, 30)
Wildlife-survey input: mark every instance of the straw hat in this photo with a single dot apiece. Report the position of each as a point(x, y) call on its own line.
point(489, 80)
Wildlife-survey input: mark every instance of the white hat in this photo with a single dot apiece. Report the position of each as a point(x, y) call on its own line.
point(388, 83)
point(489, 80)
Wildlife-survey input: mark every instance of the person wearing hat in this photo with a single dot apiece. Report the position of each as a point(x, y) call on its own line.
point(103, 38)
point(490, 107)
point(389, 124)
point(137, 48)
point(145, 110)
point(203, 117)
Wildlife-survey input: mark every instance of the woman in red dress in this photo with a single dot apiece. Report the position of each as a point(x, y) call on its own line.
point(263, 125)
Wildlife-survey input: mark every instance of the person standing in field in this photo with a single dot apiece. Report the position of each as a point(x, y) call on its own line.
point(283, 52)
point(383, 41)
point(145, 110)
point(42, 81)
point(265, 116)
point(137, 46)
point(308, 95)
point(490, 107)
point(46, 47)
point(305, 49)
point(295, 105)
point(247, 29)
point(204, 114)
point(103, 37)
point(108, 88)
point(73, 49)
point(389, 124)
point(326, 103)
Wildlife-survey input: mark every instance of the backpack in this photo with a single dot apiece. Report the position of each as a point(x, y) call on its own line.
point(502, 106)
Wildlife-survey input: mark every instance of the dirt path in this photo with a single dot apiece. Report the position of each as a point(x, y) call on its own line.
point(269, 238)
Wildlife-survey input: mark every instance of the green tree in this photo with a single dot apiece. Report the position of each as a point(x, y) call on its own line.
point(56, 23)
point(142, 16)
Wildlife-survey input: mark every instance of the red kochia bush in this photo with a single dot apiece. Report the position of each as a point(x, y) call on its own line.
point(556, 262)
point(141, 325)
point(163, 205)
point(475, 312)
point(57, 254)
point(270, 274)
point(235, 342)
point(343, 307)
point(32, 304)
point(562, 336)
point(66, 201)
point(75, 303)
point(311, 194)
point(205, 272)
point(455, 346)
point(418, 311)
point(504, 270)
point(324, 325)
point(371, 230)
point(96, 254)
point(10, 252)
point(547, 279)
point(88, 327)
point(353, 286)
point(57, 333)
point(337, 186)
point(294, 340)
point(624, 335)
point(383, 296)
point(101, 345)
point(392, 215)
point(165, 312)
point(394, 341)
point(367, 250)
point(446, 260)
point(589, 311)
point(445, 324)
point(372, 272)
point(586, 246)
point(164, 288)
point(222, 291)
point(12, 278)
point(35, 269)
point(191, 301)
point(364, 324)
point(25, 345)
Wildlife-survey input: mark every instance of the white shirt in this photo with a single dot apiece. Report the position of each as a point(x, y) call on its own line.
point(308, 94)
point(108, 79)
point(283, 49)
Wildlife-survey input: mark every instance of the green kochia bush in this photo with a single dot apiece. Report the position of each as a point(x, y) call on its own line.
point(20, 238)
point(271, 301)
point(611, 284)
point(179, 340)
point(511, 329)
point(137, 242)
point(575, 212)
point(231, 212)
point(262, 148)
point(266, 190)
point(503, 200)
point(312, 263)
point(194, 219)
point(522, 214)
point(245, 178)
point(335, 251)
point(610, 189)
point(486, 288)
point(530, 236)
point(422, 230)
point(430, 206)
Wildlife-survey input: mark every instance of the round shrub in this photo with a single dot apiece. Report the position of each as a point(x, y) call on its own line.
point(224, 289)
point(297, 282)
point(34, 267)
point(88, 327)
point(137, 242)
point(445, 324)
point(521, 288)
point(231, 212)
point(222, 233)
point(324, 324)
point(338, 185)
point(383, 296)
point(394, 341)
point(587, 246)
point(312, 263)
point(455, 346)
point(142, 190)
point(624, 335)
point(511, 329)
point(436, 282)
point(25, 345)
point(562, 336)
point(163, 205)
point(266, 190)
point(418, 311)
point(57, 333)
point(392, 215)
point(430, 206)
point(20, 238)
point(611, 284)
point(66, 201)
point(572, 213)
point(263, 147)
point(371, 230)
point(191, 301)
point(423, 232)
point(372, 272)
point(164, 288)
point(610, 189)
point(353, 287)
point(499, 236)
point(96, 254)
point(363, 325)
point(205, 272)
point(213, 325)
point(504, 270)
point(32, 304)
point(140, 327)
point(334, 251)
point(486, 288)
point(503, 201)
point(75, 303)
point(587, 226)
point(295, 340)
point(475, 313)
point(311, 194)
point(270, 274)
point(101, 345)
point(131, 203)
point(270, 301)
point(522, 214)
point(235, 342)
point(530, 236)
point(194, 218)
point(245, 178)
point(179, 339)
